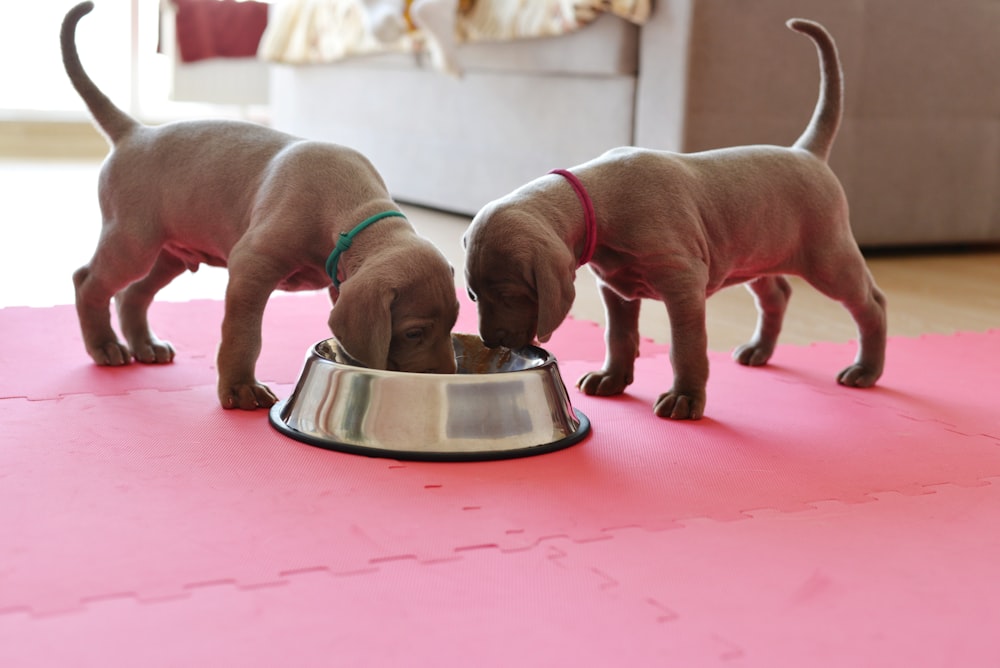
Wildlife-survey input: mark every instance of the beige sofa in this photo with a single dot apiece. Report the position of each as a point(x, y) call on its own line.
point(918, 152)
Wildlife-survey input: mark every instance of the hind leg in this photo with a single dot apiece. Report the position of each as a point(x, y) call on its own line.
point(848, 281)
point(133, 304)
point(869, 313)
point(93, 300)
point(117, 262)
point(771, 294)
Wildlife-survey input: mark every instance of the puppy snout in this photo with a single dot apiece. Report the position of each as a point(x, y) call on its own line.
point(494, 339)
point(506, 339)
point(438, 368)
point(450, 366)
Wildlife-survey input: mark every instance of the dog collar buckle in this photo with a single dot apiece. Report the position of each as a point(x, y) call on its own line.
point(345, 239)
point(590, 218)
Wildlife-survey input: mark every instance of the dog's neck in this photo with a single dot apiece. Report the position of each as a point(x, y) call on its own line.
point(352, 246)
point(589, 217)
point(346, 239)
point(560, 206)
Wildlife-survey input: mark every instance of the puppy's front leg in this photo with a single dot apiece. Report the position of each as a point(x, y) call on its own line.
point(688, 356)
point(621, 339)
point(246, 298)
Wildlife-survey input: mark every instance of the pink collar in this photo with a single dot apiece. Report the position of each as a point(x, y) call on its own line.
point(590, 218)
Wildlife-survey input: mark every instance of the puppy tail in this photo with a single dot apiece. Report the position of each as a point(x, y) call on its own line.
point(822, 129)
point(111, 120)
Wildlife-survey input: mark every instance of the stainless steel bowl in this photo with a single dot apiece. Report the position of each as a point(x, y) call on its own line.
point(501, 404)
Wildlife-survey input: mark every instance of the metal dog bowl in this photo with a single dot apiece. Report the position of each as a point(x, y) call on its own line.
point(501, 404)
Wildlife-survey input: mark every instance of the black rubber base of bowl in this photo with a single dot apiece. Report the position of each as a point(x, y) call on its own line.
point(274, 415)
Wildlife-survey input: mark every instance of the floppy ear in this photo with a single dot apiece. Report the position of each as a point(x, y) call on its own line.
point(362, 321)
point(556, 292)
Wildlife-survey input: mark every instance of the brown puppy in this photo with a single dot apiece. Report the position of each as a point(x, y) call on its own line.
point(270, 207)
point(678, 228)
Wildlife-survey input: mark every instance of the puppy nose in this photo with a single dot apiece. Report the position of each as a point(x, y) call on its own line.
point(494, 339)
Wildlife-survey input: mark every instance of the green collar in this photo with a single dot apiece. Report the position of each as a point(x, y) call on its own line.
point(346, 238)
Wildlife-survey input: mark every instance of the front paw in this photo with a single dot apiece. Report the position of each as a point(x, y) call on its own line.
point(604, 383)
point(246, 396)
point(678, 405)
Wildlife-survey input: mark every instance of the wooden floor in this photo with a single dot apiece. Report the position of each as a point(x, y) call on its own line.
point(51, 224)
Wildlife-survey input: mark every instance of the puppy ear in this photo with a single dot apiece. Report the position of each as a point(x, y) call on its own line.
point(556, 292)
point(361, 321)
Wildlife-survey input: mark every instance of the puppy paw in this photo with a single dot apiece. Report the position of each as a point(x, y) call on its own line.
point(247, 396)
point(858, 375)
point(604, 383)
point(680, 406)
point(751, 354)
point(112, 353)
point(153, 351)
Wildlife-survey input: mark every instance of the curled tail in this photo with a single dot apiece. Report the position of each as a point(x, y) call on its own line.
point(114, 122)
point(822, 129)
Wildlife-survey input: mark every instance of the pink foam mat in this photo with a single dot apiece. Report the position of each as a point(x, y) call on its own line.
point(799, 523)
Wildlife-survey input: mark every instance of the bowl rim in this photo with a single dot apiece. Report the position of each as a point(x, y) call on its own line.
point(544, 357)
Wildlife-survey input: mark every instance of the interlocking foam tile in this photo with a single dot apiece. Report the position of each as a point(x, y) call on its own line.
point(44, 356)
point(157, 506)
point(920, 381)
point(485, 610)
point(903, 581)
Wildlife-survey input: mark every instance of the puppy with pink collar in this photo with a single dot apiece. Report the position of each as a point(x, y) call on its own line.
point(678, 228)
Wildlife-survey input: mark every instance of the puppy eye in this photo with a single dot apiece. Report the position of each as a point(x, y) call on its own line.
point(414, 335)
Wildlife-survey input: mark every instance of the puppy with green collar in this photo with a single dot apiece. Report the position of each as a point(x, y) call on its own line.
point(272, 208)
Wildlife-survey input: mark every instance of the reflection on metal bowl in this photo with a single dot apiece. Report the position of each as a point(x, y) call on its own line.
point(501, 404)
